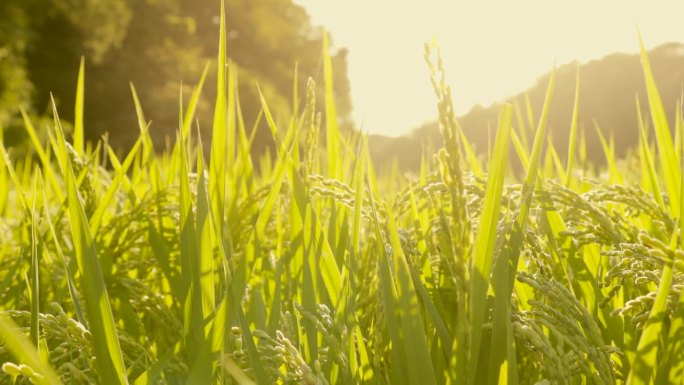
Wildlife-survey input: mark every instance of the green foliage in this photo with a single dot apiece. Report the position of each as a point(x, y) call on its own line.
point(158, 268)
point(156, 45)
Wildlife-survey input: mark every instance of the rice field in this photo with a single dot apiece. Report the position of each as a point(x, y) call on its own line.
point(204, 265)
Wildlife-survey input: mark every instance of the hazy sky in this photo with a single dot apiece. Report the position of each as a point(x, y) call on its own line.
point(491, 49)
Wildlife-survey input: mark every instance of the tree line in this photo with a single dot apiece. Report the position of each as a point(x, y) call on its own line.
point(154, 45)
point(608, 91)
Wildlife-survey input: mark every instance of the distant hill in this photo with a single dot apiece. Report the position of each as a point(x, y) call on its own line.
point(608, 90)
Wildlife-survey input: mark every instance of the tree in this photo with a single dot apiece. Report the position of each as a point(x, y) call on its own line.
point(154, 45)
point(15, 87)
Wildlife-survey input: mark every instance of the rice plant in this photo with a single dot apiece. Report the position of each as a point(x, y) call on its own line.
point(311, 267)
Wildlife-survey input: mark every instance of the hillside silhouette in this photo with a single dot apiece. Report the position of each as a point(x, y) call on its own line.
point(608, 91)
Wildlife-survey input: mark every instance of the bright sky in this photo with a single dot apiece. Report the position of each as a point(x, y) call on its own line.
point(491, 49)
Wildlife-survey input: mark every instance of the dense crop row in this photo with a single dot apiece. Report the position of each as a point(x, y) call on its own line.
point(309, 268)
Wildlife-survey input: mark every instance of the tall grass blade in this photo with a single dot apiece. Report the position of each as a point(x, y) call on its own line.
point(483, 249)
point(106, 346)
point(572, 140)
point(189, 115)
point(666, 151)
point(645, 152)
point(418, 358)
point(42, 155)
point(73, 293)
point(79, 132)
point(219, 155)
point(506, 265)
point(34, 278)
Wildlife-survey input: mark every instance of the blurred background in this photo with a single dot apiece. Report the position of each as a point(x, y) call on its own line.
point(494, 51)
point(155, 45)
